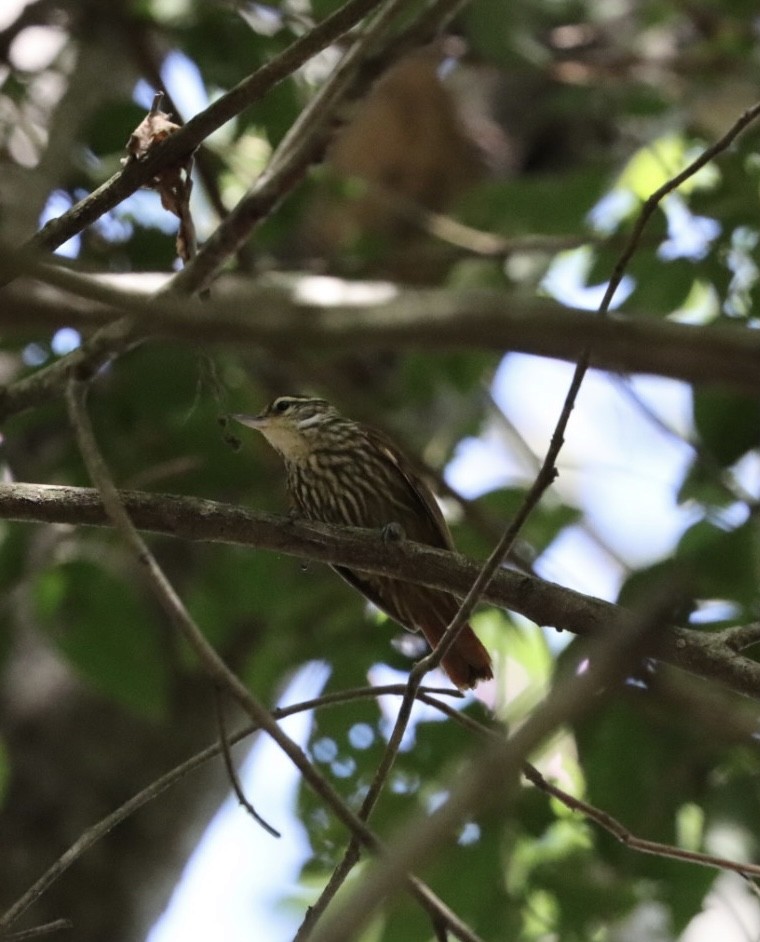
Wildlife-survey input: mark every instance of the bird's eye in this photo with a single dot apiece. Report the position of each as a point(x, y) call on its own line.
point(281, 405)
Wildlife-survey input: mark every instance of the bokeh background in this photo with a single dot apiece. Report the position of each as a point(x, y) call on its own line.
point(513, 154)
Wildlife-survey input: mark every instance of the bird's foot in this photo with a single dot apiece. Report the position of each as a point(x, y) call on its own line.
point(393, 533)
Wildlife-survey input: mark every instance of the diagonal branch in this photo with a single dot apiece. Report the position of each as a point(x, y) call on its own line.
point(304, 143)
point(216, 668)
point(179, 145)
point(102, 828)
point(492, 778)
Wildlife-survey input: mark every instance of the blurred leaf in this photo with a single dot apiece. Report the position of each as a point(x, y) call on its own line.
point(653, 165)
point(661, 287)
point(549, 204)
point(703, 486)
point(543, 525)
point(651, 582)
point(107, 632)
point(640, 770)
point(721, 564)
point(495, 38)
point(683, 889)
point(226, 48)
point(734, 199)
point(728, 424)
point(582, 890)
point(109, 129)
point(477, 859)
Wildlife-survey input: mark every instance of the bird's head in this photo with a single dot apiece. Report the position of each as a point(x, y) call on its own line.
point(292, 424)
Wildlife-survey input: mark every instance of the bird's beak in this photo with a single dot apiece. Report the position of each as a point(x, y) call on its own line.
point(258, 422)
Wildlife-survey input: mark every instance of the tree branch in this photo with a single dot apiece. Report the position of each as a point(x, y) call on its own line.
point(229, 766)
point(720, 720)
point(214, 665)
point(103, 827)
point(544, 603)
point(38, 931)
point(179, 145)
point(432, 319)
point(304, 143)
point(491, 779)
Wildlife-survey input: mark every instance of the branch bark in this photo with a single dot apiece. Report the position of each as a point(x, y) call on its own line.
point(179, 145)
point(705, 654)
point(432, 319)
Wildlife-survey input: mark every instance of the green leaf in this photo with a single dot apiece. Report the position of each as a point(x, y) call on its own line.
point(107, 632)
point(728, 423)
point(552, 204)
point(703, 485)
point(110, 128)
point(543, 525)
point(661, 287)
point(644, 584)
point(721, 564)
point(640, 769)
point(658, 161)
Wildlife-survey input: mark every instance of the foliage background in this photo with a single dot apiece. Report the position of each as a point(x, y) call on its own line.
point(555, 122)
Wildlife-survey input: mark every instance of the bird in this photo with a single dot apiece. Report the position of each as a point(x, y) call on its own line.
point(345, 473)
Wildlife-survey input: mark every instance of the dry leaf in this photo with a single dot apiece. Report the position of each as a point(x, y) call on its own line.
point(174, 183)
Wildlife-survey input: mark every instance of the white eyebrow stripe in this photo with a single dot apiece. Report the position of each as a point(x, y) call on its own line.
point(312, 420)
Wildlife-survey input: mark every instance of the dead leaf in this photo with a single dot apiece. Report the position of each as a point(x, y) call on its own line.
point(174, 183)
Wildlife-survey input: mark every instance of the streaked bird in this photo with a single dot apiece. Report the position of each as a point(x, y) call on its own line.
point(347, 474)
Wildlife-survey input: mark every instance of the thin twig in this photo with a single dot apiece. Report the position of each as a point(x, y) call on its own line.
point(723, 720)
point(304, 143)
point(623, 834)
point(459, 235)
point(230, 768)
point(491, 778)
point(176, 146)
point(57, 925)
point(103, 827)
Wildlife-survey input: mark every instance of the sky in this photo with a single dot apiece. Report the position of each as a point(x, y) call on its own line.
point(238, 873)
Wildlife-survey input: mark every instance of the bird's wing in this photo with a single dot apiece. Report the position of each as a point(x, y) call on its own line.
point(372, 589)
point(434, 530)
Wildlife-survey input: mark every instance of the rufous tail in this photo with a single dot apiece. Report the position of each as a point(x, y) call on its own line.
point(468, 662)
